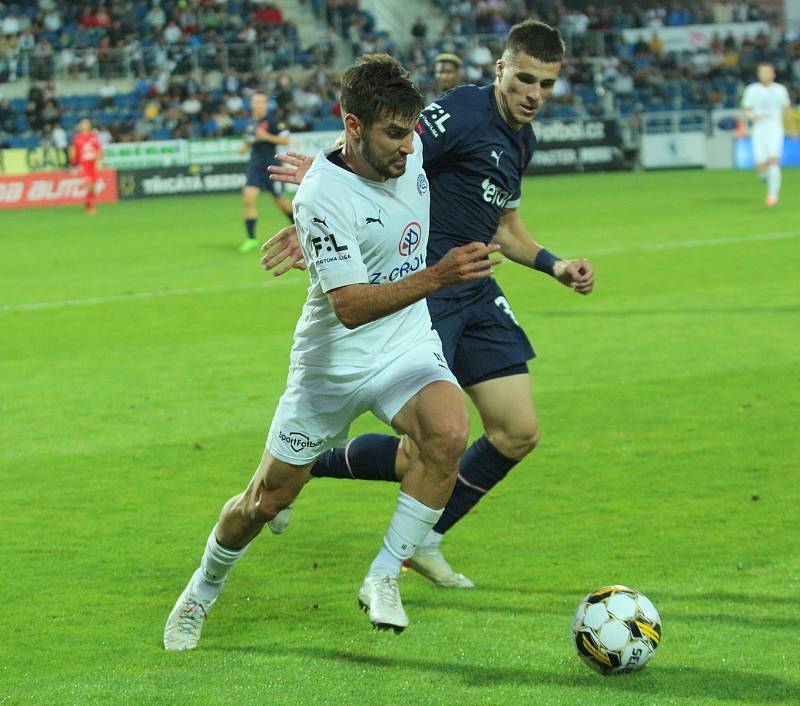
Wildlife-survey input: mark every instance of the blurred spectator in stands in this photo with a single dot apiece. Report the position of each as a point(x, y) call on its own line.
point(6, 115)
point(49, 114)
point(234, 103)
point(156, 18)
point(191, 106)
point(419, 30)
point(107, 93)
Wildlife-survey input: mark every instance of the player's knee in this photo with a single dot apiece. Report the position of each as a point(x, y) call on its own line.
point(517, 442)
point(445, 442)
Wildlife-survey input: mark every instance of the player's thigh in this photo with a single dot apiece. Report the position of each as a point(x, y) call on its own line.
point(507, 408)
point(315, 411)
point(250, 195)
point(417, 394)
point(775, 147)
point(492, 343)
point(764, 146)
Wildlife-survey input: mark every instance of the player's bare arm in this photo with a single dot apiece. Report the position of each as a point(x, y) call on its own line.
point(358, 304)
point(518, 245)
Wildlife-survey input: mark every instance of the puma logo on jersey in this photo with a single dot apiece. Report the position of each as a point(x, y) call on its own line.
point(496, 156)
point(375, 220)
point(319, 220)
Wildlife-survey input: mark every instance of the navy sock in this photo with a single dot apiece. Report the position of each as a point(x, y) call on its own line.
point(250, 224)
point(367, 457)
point(481, 468)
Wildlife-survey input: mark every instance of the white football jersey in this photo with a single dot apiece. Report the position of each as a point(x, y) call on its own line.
point(767, 102)
point(358, 231)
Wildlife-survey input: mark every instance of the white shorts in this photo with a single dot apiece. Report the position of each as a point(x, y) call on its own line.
point(767, 144)
point(315, 411)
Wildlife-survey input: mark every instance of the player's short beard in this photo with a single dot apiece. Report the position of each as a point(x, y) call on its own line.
point(382, 167)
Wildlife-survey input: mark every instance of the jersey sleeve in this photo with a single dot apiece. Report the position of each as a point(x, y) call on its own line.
point(444, 126)
point(328, 237)
point(786, 100)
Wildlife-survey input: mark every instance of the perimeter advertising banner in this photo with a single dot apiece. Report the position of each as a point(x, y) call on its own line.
point(55, 189)
point(180, 181)
point(577, 146)
point(38, 159)
point(743, 153)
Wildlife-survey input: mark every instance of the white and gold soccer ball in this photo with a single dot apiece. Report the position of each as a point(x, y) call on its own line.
point(616, 629)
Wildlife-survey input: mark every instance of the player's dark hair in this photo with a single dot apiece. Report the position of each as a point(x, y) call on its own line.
point(377, 86)
point(536, 39)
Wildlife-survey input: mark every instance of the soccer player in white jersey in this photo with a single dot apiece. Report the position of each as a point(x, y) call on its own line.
point(765, 104)
point(364, 342)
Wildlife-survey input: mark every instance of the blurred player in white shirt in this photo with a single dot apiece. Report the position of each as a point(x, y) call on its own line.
point(765, 104)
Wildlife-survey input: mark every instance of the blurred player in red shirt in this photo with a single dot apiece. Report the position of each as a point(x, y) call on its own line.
point(86, 154)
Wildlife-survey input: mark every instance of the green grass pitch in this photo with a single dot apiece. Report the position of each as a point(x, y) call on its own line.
point(141, 358)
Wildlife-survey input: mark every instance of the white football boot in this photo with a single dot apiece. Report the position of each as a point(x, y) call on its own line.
point(185, 622)
point(380, 597)
point(279, 523)
point(438, 571)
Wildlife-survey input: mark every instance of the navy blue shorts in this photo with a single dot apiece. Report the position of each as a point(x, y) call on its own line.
point(482, 340)
point(258, 176)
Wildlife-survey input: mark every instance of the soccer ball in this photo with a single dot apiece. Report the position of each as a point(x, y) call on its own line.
point(616, 629)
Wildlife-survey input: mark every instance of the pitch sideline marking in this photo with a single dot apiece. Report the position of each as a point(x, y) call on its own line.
point(134, 296)
point(680, 244)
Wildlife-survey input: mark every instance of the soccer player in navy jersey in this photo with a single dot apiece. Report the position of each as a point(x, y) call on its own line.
point(263, 134)
point(477, 142)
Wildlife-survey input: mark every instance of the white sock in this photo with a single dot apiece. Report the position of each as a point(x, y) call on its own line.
point(430, 545)
point(410, 524)
point(773, 180)
point(217, 561)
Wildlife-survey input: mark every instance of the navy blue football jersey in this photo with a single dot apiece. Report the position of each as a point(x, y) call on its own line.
point(474, 162)
point(263, 152)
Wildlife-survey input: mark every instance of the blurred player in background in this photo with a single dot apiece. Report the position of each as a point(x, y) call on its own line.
point(264, 133)
point(477, 143)
point(766, 103)
point(87, 153)
point(447, 71)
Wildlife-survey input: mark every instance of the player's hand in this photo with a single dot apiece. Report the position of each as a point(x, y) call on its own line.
point(577, 274)
point(466, 263)
point(283, 252)
point(296, 166)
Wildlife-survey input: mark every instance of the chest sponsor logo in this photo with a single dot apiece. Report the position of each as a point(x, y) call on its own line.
point(493, 194)
point(410, 239)
point(326, 243)
point(433, 118)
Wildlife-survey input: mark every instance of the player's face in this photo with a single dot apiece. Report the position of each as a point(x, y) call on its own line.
point(447, 75)
point(258, 106)
point(386, 145)
point(524, 85)
point(84, 126)
point(766, 74)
